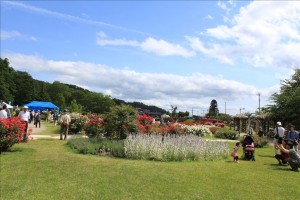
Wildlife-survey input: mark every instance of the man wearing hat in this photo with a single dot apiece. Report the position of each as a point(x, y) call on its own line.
point(24, 116)
point(279, 130)
point(65, 122)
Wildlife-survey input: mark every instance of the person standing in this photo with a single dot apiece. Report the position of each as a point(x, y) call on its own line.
point(37, 119)
point(279, 131)
point(24, 116)
point(260, 132)
point(55, 117)
point(3, 112)
point(65, 122)
point(293, 136)
point(234, 152)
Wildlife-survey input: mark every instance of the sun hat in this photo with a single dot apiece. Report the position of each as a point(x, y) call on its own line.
point(279, 123)
point(25, 107)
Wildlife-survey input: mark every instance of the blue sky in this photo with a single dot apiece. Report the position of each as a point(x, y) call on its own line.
point(163, 53)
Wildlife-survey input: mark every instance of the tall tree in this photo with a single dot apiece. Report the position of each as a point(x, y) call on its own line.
point(24, 93)
point(286, 107)
point(7, 85)
point(213, 108)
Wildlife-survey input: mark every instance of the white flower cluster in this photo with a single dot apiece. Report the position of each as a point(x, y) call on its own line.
point(195, 129)
point(173, 148)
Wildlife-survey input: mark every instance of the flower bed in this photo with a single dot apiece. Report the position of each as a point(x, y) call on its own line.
point(173, 148)
point(11, 132)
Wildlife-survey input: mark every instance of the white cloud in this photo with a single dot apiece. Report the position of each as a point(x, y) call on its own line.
point(163, 48)
point(209, 17)
point(5, 35)
point(193, 91)
point(84, 19)
point(158, 47)
point(12, 35)
point(222, 5)
point(259, 36)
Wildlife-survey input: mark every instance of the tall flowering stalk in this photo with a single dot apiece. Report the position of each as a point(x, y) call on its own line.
point(172, 147)
point(11, 132)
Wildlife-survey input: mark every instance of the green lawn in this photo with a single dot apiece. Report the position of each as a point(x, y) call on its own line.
point(48, 169)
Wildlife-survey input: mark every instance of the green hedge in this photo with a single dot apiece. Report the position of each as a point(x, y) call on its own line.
point(225, 133)
point(97, 146)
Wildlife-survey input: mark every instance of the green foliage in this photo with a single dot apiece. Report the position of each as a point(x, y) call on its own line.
point(224, 117)
point(121, 121)
point(113, 147)
point(213, 108)
point(75, 107)
point(286, 106)
point(84, 145)
point(226, 133)
point(96, 146)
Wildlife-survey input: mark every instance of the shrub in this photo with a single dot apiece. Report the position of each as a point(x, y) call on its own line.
point(213, 129)
point(11, 132)
point(173, 148)
point(145, 123)
point(113, 147)
point(196, 130)
point(94, 126)
point(78, 122)
point(97, 146)
point(85, 145)
point(225, 133)
point(121, 121)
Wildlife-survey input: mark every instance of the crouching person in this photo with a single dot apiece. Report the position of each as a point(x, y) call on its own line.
point(294, 157)
point(280, 155)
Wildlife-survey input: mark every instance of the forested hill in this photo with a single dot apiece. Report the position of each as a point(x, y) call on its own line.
point(20, 88)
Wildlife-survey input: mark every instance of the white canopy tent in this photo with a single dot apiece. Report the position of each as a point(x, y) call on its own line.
point(8, 106)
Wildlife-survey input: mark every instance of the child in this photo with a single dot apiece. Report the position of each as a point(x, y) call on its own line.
point(234, 153)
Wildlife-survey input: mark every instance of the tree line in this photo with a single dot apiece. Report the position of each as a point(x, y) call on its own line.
point(20, 88)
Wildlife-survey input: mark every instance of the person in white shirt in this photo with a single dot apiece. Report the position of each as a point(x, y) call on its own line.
point(279, 130)
point(24, 116)
point(3, 112)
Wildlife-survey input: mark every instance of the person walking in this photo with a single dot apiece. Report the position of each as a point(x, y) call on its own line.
point(37, 119)
point(65, 122)
point(24, 116)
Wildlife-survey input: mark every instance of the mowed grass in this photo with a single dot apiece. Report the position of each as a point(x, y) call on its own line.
point(48, 169)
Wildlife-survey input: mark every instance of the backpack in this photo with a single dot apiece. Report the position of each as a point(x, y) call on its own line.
point(65, 120)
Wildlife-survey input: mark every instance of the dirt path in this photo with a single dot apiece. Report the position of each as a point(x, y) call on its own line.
point(36, 130)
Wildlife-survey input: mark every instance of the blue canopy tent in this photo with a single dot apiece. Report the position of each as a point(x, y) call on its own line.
point(41, 106)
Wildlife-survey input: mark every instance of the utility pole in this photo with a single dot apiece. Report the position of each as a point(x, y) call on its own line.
point(241, 110)
point(225, 107)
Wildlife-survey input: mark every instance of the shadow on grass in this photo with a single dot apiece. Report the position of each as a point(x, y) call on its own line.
point(17, 150)
point(278, 167)
point(266, 156)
